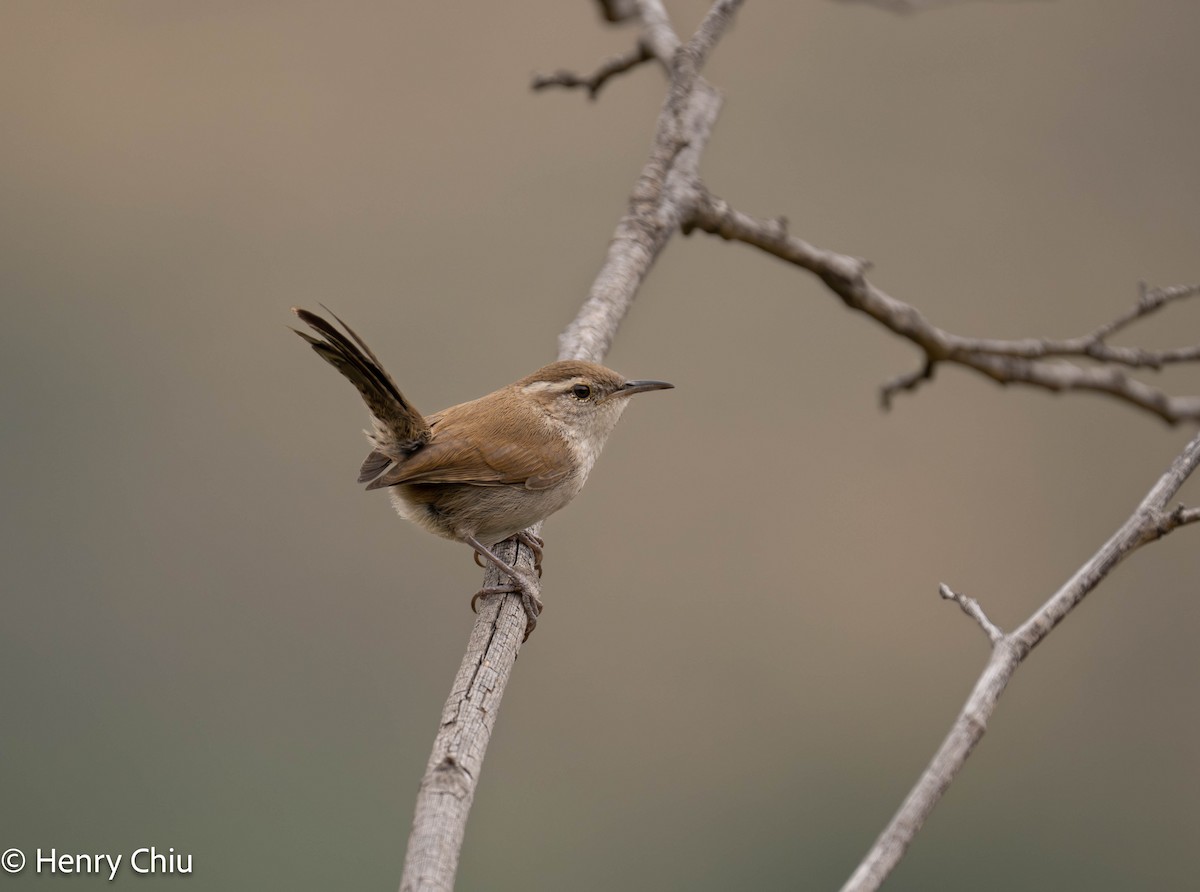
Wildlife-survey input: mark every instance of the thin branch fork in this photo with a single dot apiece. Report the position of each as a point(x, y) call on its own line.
point(607, 69)
point(658, 42)
point(1150, 521)
point(657, 206)
point(1039, 363)
point(1094, 344)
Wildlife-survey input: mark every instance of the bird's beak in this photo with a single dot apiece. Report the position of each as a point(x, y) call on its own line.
point(631, 387)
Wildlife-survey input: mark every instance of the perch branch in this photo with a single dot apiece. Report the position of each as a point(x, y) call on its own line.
point(1151, 520)
point(448, 786)
point(657, 205)
point(1043, 363)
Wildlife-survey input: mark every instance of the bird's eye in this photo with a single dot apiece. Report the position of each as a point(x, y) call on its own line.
point(581, 391)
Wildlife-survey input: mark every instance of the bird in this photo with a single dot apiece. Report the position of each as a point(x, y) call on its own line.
point(487, 470)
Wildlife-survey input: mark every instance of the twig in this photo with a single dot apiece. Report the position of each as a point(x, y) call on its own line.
point(1150, 521)
point(617, 10)
point(973, 609)
point(904, 7)
point(1035, 362)
point(907, 381)
point(1093, 345)
point(609, 68)
point(657, 205)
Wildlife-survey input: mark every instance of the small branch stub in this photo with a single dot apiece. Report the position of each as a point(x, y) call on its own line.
point(907, 381)
point(1170, 520)
point(973, 609)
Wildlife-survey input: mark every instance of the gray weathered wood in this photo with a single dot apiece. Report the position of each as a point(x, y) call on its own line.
point(1151, 520)
point(659, 202)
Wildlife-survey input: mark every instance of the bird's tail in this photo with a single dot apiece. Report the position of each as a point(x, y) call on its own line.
point(399, 429)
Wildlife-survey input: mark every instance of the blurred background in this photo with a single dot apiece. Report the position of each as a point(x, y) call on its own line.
point(213, 640)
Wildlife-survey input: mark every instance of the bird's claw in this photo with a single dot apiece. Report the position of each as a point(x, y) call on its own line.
point(529, 601)
point(535, 544)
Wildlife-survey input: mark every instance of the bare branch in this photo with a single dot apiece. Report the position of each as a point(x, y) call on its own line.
point(973, 609)
point(904, 7)
point(663, 195)
point(448, 786)
point(715, 23)
point(1037, 363)
point(1093, 345)
point(657, 32)
point(610, 67)
point(1149, 300)
point(658, 204)
point(669, 196)
point(1150, 521)
point(658, 41)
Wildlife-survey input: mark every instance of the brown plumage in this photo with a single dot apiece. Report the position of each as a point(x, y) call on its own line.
point(488, 469)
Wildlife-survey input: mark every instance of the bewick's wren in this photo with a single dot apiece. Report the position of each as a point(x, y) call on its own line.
point(483, 471)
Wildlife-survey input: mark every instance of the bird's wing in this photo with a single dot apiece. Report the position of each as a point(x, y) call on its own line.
point(462, 449)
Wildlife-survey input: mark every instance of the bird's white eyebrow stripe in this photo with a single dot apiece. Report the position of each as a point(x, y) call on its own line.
point(539, 386)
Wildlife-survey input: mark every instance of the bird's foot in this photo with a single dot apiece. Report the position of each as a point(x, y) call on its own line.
point(535, 544)
point(519, 586)
point(522, 584)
